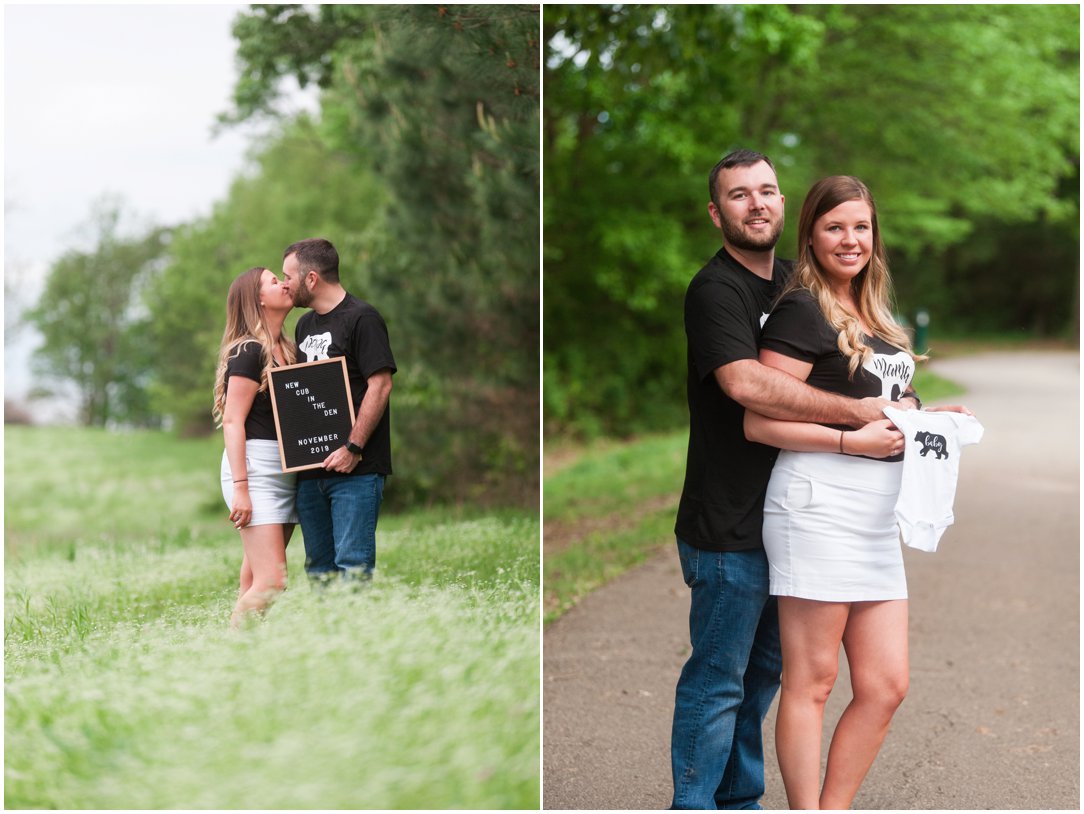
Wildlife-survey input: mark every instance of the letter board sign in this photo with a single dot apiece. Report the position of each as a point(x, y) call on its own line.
point(314, 411)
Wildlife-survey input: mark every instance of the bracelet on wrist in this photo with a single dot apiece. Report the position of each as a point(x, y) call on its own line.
point(241, 480)
point(841, 452)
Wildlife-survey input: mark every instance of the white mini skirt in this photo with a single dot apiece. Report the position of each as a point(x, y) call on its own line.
point(830, 528)
point(273, 492)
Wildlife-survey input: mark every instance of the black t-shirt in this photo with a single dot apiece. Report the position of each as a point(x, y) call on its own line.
point(356, 330)
point(248, 363)
point(798, 329)
point(722, 502)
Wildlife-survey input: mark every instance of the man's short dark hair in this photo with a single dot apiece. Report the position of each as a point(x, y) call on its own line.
point(317, 254)
point(738, 158)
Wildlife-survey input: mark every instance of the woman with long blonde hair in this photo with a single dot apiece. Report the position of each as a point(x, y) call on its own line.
point(260, 496)
point(830, 532)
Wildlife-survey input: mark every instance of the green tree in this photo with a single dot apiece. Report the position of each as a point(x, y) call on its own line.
point(956, 116)
point(93, 325)
point(441, 103)
point(422, 168)
point(275, 202)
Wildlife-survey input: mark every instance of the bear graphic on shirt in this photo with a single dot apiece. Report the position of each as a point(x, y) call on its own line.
point(895, 373)
point(932, 442)
point(316, 346)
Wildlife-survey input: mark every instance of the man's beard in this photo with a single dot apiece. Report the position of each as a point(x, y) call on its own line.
point(301, 296)
point(736, 237)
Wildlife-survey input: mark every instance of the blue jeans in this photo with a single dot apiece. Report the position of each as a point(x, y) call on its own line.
point(728, 683)
point(338, 521)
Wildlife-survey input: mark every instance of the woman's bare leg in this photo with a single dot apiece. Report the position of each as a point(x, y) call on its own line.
point(265, 552)
point(810, 633)
point(876, 644)
point(246, 577)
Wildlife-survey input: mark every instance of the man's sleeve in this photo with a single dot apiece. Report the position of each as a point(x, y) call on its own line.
point(372, 348)
point(719, 327)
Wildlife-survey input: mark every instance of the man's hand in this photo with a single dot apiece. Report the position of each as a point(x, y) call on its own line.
point(950, 408)
point(341, 460)
point(908, 402)
point(869, 409)
point(872, 409)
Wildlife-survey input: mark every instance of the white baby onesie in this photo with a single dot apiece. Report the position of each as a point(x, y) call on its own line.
point(931, 464)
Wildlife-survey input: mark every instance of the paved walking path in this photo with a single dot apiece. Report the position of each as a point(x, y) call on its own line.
point(992, 718)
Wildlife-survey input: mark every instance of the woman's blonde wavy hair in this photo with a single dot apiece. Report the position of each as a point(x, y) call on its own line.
point(871, 287)
point(244, 324)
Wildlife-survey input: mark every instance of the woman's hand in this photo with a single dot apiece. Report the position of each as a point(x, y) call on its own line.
point(241, 508)
point(878, 439)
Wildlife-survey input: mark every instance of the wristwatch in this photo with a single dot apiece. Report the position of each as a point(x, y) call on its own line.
point(911, 394)
point(353, 448)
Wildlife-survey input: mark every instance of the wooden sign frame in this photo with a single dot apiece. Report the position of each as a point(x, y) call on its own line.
point(307, 437)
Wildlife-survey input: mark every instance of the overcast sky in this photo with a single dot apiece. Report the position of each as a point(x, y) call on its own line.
point(108, 99)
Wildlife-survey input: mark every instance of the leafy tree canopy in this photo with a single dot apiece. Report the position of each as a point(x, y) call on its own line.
point(422, 168)
point(93, 326)
point(955, 116)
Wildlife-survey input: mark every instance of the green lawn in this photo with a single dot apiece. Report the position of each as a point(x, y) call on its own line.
point(932, 388)
point(124, 687)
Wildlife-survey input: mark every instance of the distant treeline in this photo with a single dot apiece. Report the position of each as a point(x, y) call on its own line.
point(422, 167)
point(962, 119)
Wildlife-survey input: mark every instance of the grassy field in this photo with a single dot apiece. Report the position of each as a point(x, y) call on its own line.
point(610, 505)
point(124, 687)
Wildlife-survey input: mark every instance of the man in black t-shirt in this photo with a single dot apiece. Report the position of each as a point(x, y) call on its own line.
point(339, 505)
point(732, 674)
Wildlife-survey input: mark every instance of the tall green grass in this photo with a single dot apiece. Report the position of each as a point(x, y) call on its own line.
point(67, 487)
point(124, 687)
point(608, 511)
